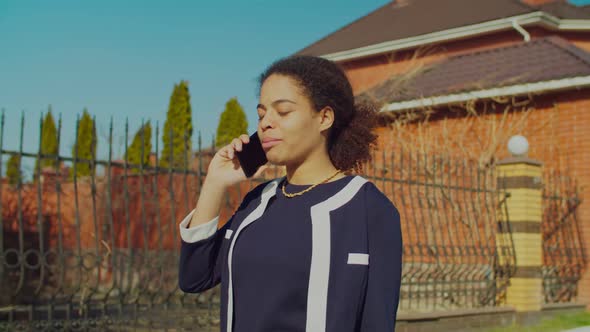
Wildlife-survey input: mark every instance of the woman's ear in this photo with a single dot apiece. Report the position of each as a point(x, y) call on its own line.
point(326, 118)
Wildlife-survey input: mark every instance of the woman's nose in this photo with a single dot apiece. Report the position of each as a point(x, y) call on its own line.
point(266, 121)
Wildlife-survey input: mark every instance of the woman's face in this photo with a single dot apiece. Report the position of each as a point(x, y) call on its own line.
point(286, 115)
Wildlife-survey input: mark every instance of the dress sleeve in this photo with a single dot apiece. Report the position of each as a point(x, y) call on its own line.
point(385, 263)
point(200, 260)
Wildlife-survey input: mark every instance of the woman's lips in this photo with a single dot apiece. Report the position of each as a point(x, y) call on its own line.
point(269, 144)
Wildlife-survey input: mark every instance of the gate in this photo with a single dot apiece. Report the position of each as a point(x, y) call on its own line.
point(563, 252)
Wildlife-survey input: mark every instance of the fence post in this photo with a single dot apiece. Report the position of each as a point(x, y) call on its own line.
point(521, 178)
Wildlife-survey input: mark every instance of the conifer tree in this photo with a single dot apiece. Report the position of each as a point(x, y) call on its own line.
point(143, 136)
point(48, 141)
point(13, 169)
point(85, 146)
point(178, 130)
point(232, 123)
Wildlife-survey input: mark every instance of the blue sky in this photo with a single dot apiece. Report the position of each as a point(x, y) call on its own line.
point(121, 59)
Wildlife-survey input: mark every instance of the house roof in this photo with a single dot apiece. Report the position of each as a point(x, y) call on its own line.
point(539, 60)
point(409, 18)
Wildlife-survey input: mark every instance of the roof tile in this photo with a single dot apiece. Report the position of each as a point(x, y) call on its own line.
point(410, 18)
point(539, 60)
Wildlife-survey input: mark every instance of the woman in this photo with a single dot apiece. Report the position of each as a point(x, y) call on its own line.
point(316, 250)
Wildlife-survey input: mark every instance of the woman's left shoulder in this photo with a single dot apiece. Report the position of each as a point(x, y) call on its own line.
point(375, 198)
point(370, 189)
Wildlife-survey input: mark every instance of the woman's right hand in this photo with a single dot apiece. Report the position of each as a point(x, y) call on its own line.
point(225, 168)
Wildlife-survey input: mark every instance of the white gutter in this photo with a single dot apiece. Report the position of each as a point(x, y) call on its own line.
point(537, 17)
point(523, 32)
point(573, 25)
point(520, 89)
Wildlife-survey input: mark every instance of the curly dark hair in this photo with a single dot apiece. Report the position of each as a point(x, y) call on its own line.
point(351, 136)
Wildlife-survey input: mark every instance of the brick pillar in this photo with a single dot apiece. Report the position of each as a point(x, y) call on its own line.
point(521, 177)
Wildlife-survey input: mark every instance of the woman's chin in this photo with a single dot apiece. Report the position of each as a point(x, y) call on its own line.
point(273, 159)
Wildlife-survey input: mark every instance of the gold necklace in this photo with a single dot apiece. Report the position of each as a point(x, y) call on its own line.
point(308, 189)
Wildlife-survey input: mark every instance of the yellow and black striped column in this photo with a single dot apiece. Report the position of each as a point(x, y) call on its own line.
point(521, 178)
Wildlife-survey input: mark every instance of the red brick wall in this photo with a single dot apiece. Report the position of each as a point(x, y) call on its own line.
point(557, 128)
point(562, 144)
point(573, 145)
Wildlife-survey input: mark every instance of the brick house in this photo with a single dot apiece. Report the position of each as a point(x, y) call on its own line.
point(412, 55)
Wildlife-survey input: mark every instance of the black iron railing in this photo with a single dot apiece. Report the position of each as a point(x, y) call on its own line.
point(564, 257)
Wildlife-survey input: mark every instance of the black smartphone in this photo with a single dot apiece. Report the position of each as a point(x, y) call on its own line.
point(252, 155)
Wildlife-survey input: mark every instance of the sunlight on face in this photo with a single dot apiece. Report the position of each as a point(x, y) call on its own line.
point(286, 114)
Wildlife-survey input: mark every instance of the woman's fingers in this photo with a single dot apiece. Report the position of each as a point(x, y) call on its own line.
point(226, 151)
point(245, 138)
point(236, 144)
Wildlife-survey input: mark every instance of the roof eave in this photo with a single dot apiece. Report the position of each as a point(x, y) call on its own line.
point(537, 17)
point(518, 89)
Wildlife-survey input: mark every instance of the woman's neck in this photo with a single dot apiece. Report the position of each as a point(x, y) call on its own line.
point(308, 173)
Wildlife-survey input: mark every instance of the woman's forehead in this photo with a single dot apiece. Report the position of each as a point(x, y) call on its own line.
point(280, 87)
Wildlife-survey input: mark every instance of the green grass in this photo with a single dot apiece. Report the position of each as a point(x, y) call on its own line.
point(556, 324)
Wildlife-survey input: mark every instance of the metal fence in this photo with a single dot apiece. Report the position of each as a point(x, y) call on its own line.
point(451, 224)
point(563, 250)
point(100, 252)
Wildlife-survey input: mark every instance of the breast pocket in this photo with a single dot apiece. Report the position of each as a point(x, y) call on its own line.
point(224, 252)
point(228, 234)
point(358, 258)
point(226, 241)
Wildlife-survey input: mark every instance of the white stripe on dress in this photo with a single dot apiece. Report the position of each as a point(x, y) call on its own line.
point(268, 192)
point(319, 274)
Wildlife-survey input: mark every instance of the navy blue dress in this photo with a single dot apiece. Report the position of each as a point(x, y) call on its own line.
point(296, 267)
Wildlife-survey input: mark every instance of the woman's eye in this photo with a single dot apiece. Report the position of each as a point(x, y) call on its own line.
point(279, 113)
